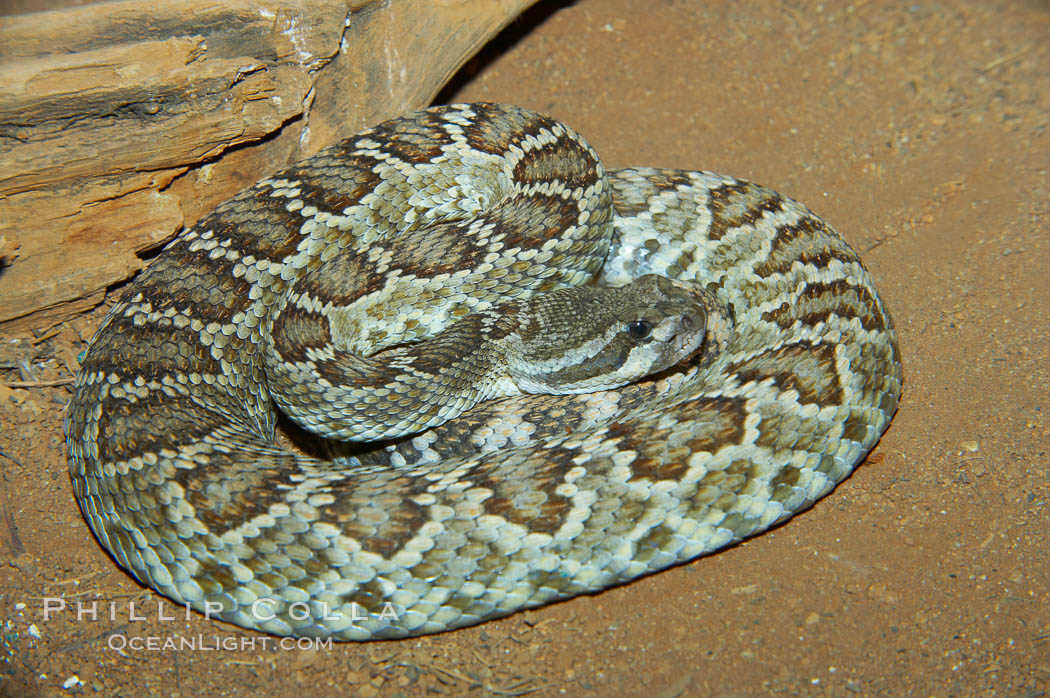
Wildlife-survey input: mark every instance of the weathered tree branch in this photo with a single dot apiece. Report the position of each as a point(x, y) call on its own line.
point(122, 122)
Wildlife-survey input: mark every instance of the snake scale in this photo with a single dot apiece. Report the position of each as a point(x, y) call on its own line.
point(324, 274)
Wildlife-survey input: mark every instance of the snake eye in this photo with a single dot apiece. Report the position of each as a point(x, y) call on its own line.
point(639, 329)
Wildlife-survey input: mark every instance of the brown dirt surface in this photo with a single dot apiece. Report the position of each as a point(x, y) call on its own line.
point(920, 130)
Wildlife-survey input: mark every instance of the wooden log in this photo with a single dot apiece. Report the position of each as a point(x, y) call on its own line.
point(123, 122)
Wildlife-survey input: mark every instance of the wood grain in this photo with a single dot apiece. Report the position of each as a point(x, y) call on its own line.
point(123, 122)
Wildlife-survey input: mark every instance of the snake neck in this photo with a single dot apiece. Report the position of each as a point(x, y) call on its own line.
point(569, 341)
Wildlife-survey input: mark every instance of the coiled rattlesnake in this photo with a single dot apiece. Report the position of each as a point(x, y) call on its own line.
point(384, 240)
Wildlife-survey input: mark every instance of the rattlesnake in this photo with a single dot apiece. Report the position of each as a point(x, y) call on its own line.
point(384, 240)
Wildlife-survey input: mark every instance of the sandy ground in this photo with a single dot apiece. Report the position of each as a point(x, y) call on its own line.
point(920, 130)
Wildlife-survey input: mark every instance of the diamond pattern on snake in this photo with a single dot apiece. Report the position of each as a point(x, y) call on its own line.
point(536, 378)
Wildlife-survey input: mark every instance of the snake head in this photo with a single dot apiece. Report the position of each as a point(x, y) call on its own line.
point(592, 338)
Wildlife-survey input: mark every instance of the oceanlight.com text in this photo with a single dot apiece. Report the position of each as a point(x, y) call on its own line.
point(213, 643)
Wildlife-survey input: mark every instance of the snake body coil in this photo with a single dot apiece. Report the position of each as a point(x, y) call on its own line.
point(390, 238)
